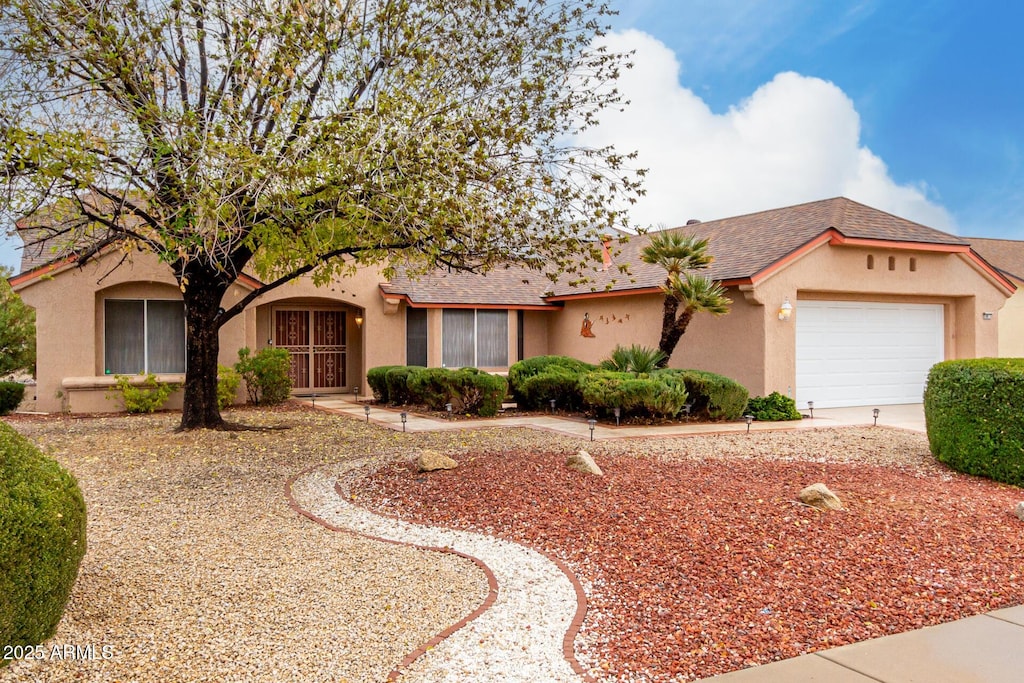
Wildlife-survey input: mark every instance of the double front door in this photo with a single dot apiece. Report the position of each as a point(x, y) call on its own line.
point(315, 341)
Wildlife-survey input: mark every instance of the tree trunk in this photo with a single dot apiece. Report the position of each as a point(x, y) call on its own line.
point(672, 328)
point(202, 296)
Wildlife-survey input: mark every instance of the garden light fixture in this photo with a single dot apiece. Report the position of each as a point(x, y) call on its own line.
point(552, 402)
point(810, 406)
point(618, 414)
point(366, 409)
point(355, 392)
point(405, 416)
point(448, 409)
point(749, 419)
point(874, 413)
point(592, 423)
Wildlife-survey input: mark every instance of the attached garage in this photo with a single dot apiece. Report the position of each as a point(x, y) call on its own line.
point(852, 353)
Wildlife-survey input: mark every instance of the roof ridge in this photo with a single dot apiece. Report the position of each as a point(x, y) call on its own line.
point(754, 213)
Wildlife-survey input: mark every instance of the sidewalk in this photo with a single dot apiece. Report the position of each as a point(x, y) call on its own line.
point(987, 648)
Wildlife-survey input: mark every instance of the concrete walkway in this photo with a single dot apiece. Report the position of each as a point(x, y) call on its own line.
point(988, 648)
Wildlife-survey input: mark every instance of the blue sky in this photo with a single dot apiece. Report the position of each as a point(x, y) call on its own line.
point(915, 107)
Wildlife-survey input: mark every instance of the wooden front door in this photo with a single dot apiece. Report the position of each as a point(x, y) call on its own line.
point(315, 340)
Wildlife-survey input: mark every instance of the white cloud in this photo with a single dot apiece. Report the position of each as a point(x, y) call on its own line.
point(796, 139)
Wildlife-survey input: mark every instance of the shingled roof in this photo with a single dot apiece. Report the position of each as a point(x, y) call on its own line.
point(1006, 255)
point(506, 286)
point(744, 246)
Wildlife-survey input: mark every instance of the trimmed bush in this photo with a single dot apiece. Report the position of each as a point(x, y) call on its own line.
point(431, 386)
point(11, 394)
point(468, 390)
point(659, 394)
point(42, 541)
point(396, 381)
point(714, 396)
point(377, 379)
point(773, 408)
point(141, 396)
point(535, 381)
point(228, 381)
point(972, 411)
point(265, 374)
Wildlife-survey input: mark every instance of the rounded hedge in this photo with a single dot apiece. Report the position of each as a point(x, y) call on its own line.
point(972, 412)
point(42, 540)
point(535, 381)
point(11, 394)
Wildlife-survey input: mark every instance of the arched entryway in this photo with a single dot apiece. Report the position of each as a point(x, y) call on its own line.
point(316, 338)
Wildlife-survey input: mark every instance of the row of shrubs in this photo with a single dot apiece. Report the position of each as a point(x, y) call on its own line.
point(972, 411)
point(573, 384)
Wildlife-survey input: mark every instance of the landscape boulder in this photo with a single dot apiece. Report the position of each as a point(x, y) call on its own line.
point(1019, 511)
point(818, 496)
point(428, 461)
point(584, 462)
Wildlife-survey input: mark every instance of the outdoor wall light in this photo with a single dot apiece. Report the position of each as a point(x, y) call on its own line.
point(874, 413)
point(592, 423)
point(618, 414)
point(986, 316)
point(785, 310)
point(405, 416)
point(366, 409)
point(359, 321)
point(749, 419)
point(810, 407)
point(448, 409)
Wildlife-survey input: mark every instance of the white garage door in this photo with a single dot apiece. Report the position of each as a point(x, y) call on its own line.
point(851, 353)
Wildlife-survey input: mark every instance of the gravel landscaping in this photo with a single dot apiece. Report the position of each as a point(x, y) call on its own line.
point(693, 553)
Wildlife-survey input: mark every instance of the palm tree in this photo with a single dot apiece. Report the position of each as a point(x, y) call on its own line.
point(686, 292)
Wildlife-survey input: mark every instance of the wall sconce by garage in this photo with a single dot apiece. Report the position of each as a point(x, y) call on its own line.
point(986, 316)
point(405, 416)
point(874, 413)
point(785, 310)
point(592, 423)
point(359, 321)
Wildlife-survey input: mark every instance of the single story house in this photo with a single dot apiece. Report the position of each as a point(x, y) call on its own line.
point(1008, 257)
point(833, 302)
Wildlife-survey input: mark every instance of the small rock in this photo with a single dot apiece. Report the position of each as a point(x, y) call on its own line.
point(583, 462)
point(1019, 511)
point(428, 461)
point(818, 496)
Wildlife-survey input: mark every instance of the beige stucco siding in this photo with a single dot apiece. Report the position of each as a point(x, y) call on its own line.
point(1011, 325)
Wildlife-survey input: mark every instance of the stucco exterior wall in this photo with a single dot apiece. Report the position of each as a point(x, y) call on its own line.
point(1011, 325)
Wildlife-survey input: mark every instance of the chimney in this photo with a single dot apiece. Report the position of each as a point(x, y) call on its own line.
point(606, 254)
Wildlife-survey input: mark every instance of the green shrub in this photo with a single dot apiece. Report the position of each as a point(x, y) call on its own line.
point(42, 541)
point(535, 381)
point(11, 394)
point(636, 358)
point(431, 386)
point(141, 396)
point(661, 395)
point(972, 412)
point(228, 381)
point(265, 374)
point(397, 382)
point(468, 390)
point(377, 379)
point(773, 408)
point(713, 396)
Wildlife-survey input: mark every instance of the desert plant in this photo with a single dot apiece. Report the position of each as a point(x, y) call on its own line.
point(636, 358)
point(658, 395)
point(265, 374)
point(972, 416)
point(228, 381)
point(396, 379)
point(42, 541)
point(773, 408)
point(468, 389)
point(143, 395)
point(11, 394)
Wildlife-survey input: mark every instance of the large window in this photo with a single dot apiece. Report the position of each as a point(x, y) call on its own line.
point(474, 338)
point(142, 335)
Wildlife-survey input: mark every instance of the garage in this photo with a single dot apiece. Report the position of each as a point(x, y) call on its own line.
point(854, 353)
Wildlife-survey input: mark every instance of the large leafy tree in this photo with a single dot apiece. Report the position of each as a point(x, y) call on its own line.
point(307, 136)
point(17, 331)
point(687, 292)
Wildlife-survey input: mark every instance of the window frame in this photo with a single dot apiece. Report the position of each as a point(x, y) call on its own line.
point(475, 337)
point(146, 350)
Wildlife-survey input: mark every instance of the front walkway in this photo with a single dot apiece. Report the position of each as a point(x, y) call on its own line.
point(903, 416)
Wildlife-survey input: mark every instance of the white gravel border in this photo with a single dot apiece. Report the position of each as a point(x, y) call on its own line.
point(519, 638)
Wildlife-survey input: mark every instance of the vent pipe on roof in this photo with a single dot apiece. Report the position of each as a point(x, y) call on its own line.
point(693, 221)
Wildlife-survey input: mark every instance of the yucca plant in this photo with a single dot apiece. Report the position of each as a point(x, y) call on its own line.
point(636, 358)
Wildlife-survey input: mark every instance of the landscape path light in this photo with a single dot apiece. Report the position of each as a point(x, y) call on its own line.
point(405, 416)
point(552, 402)
point(874, 414)
point(810, 406)
point(592, 423)
point(618, 414)
point(749, 419)
point(448, 409)
point(366, 409)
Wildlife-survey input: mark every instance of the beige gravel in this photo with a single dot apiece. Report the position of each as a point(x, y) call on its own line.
point(199, 570)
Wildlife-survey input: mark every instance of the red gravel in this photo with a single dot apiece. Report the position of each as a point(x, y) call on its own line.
point(698, 568)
